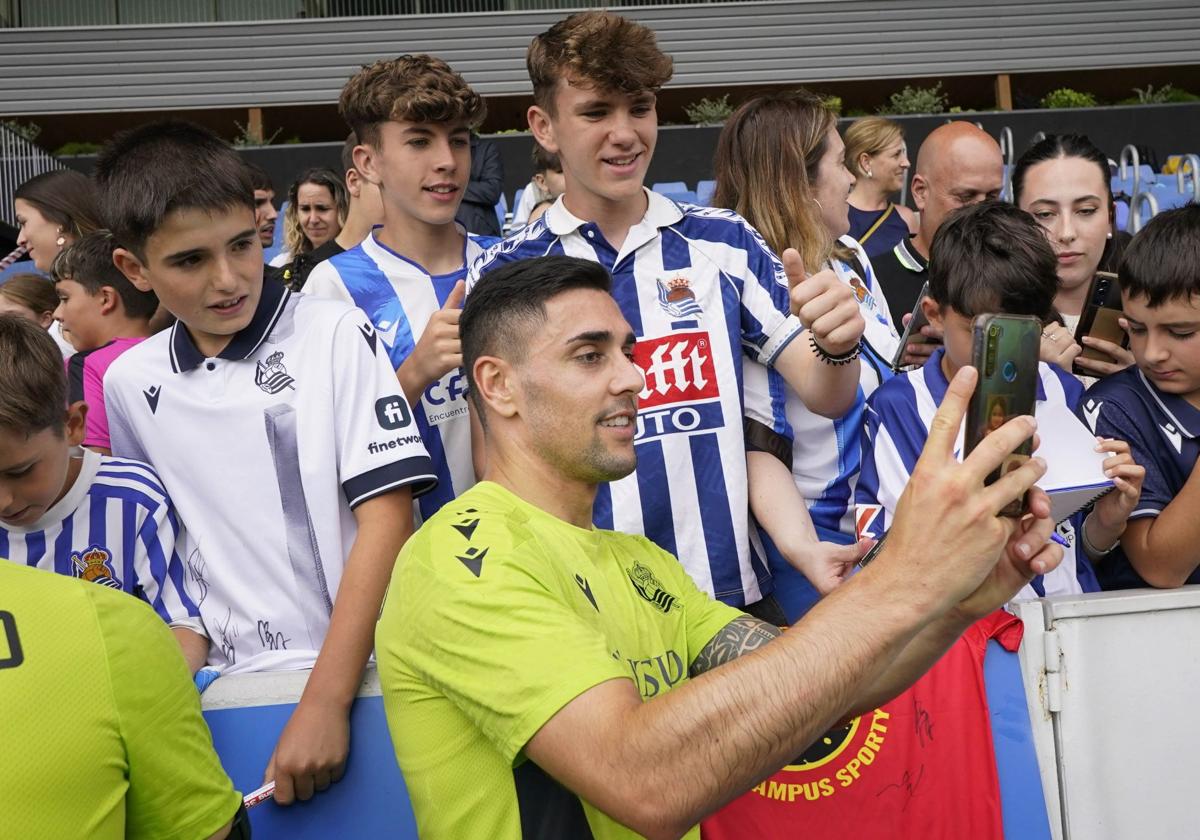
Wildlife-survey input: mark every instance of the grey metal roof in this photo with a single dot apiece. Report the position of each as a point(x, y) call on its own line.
point(91, 69)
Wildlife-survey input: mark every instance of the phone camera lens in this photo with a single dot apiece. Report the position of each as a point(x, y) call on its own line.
point(1009, 371)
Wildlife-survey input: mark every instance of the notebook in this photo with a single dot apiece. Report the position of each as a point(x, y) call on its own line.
point(1074, 469)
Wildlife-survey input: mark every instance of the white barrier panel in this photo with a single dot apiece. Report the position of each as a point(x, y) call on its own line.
point(1112, 681)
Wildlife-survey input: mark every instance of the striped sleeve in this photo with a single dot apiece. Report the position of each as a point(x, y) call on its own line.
point(153, 535)
point(893, 437)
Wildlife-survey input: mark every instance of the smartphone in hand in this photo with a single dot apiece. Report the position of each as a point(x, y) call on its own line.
point(1100, 319)
point(1005, 352)
point(912, 332)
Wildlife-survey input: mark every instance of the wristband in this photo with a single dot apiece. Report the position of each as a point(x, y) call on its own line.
point(830, 359)
point(1091, 550)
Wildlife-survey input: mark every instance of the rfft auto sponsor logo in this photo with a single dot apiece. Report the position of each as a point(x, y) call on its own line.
point(681, 393)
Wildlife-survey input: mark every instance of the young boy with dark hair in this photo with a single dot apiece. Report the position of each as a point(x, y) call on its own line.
point(1155, 404)
point(103, 519)
point(276, 424)
point(703, 292)
point(104, 315)
point(987, 258)
point(413, 117)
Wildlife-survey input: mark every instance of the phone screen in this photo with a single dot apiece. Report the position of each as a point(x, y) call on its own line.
point(1005, 352)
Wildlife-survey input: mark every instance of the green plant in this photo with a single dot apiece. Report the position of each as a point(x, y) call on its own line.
point(833, 103)
point(1168, 93)
point(1067, 98)
point(709, 111)
point(911, 100)
point(249, 135)
point(29, 131)
point(77, 147)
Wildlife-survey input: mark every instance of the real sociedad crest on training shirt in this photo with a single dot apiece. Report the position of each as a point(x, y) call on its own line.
point(675, 295)
point(271, 375)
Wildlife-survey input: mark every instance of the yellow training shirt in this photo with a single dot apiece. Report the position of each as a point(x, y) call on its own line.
point(100, 724)
point(498, 615)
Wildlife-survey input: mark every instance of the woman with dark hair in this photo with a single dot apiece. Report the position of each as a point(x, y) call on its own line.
point(878, 158)
point(54, 210)
point(1063, 182)
point(317, 208)
point(780, 164)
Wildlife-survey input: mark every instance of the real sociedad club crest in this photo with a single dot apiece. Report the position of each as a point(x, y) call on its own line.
point(271, 375)
point(675, 295)
point(95, 564)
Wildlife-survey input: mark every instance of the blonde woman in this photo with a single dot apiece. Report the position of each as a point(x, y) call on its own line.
point(317, 208)
point(780, 165)
point(878, 158)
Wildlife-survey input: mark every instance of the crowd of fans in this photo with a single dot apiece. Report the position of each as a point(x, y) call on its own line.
point(634, 439)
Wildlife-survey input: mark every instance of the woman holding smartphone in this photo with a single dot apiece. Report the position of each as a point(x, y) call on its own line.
point(1063, 182)
point(780, 164)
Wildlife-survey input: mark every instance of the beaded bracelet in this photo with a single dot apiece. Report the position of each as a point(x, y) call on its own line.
point(830, 359)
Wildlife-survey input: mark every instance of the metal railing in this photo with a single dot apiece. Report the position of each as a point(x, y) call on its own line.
point(20, 160)
point(41, 13)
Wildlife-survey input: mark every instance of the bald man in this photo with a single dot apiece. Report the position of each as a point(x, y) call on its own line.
point(958, 164)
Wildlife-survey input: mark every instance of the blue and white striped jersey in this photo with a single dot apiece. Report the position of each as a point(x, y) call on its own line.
point(898, 418)
point(707, 300)
point(115, 527)
point(400, 297)
point(826, 453)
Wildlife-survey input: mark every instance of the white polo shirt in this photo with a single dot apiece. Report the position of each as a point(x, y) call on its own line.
point(265, 450)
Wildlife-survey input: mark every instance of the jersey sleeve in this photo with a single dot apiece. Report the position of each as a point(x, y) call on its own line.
point(325, 282)
point(1110, 419)
point(505, 649)
point(161, 571)
point(767, 323)
point(379, 445)
point(892, 440)
point(177, 788)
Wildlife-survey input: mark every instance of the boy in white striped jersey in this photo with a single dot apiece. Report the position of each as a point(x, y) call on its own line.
point(105, 520)
point(988, 258)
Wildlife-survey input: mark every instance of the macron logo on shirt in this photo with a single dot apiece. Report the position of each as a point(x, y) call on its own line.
point(151, 395)
point(1091, 413)
point(1173, 436)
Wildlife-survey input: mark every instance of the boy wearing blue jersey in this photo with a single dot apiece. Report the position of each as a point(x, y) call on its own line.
point(104, 519)
point(988, 258)
point(277, 425)
point(1155, 405)
point(704, 294)
point(413, 116)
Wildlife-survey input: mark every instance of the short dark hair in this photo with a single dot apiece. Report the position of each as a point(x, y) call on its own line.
point(510, 301)
point(32, 378)
point(89, 263)
point(416, 88)
point(1163, 260)
point(150, 171)
point(348, 153)
point(66, 198)
point(259, 179)
point(993, 257)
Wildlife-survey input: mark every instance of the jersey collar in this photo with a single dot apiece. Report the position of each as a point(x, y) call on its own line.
point(937, 383)
point(661, 212)
point(909, 256)
point(1185, 417)
point(185, 356)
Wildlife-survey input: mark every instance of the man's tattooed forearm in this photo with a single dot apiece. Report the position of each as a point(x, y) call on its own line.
point(740, 636)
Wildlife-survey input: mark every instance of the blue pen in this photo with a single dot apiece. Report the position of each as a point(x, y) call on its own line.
point(1060, 539)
